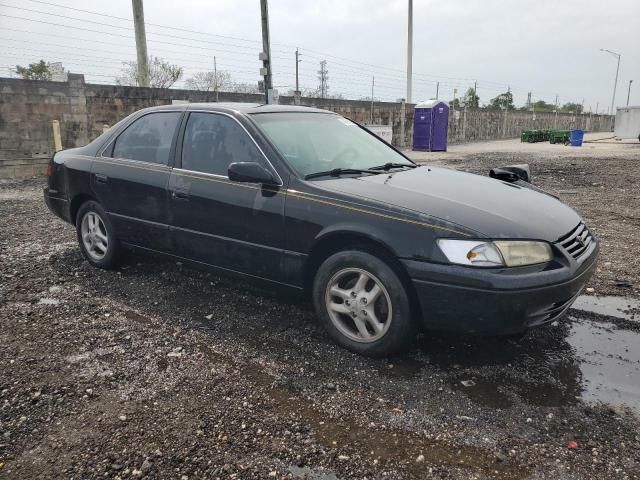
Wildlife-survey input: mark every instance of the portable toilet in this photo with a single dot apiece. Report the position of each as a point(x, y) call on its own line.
point(430, 126)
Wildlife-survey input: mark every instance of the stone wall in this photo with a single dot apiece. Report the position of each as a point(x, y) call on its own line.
point(27, 108)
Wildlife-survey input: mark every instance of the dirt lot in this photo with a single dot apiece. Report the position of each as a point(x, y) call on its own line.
point(160, 371)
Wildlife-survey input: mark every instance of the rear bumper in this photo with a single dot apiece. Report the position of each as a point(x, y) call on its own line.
point(58, 205)
point(497, 301)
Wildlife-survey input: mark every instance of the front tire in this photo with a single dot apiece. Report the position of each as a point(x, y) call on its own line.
point(96, 236)
point(363, 304)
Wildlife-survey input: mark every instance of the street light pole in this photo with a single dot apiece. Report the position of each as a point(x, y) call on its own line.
point(615, 85)
point(409, 51)
point(629, 92)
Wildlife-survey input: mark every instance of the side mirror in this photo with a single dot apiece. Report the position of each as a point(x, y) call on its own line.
point(512, 173)
point(250, 172)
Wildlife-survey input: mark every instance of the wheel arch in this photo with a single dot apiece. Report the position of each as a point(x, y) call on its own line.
point(337, 240)
point(75, 204)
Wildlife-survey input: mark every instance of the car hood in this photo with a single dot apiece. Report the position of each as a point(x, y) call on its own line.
point(491, 207)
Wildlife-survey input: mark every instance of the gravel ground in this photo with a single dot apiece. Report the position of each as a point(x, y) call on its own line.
point(160, 371)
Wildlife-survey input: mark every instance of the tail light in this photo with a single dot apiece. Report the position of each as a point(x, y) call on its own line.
point(49, 170)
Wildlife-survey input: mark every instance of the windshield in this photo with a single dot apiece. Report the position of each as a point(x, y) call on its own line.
point(318, 142)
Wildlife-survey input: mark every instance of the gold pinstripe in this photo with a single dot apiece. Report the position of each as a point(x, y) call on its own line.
point(306, 196)
point(294, 193)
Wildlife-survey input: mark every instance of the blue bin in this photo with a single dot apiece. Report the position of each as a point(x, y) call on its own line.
point(575, 138)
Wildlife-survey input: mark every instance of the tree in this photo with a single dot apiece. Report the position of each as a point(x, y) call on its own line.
point(504, 101)
point(35, 71)
point(162, 74)
point(542, 106)
point(472, 99)
point(571, 107)
point(210, 81)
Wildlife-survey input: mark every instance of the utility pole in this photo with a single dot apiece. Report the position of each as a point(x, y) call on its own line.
point(373, 83)
point(437, 89)
point(409, 51)
point(529, 101)
point(403, 113)
point(555, 122)
point(629, 92)
point(141, 43)
point(265, 56)
point(215, 77)
point(597, 106)
point(323, 76)
point(475, 92)
point(297, 93)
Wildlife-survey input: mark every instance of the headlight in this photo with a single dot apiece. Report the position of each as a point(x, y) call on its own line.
point(522, 252)
point(499, 253)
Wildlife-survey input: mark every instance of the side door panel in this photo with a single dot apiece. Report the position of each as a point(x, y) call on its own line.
point(231, 225)
point(135, 198)
point(227, 224)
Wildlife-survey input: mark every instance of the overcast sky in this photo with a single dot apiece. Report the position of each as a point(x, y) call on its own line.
point(547, 47)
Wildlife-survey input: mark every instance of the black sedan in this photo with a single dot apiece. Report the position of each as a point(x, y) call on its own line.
point(310, 200)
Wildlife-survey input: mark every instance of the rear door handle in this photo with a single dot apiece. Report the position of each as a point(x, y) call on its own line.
point(100, 178)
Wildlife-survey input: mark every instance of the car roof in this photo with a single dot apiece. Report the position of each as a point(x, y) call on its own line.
point(247, 108)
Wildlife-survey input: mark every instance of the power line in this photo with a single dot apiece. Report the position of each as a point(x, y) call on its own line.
point(487, 82)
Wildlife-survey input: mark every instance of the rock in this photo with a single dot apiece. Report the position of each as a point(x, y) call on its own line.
point(136, 473)
point(48, 301)
point(420, 458)
point(331, 386)
point(468, 383)
point(342, 458)
point(122, 418)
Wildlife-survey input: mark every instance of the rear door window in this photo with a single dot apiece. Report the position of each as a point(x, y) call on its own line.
point(149, 138)
point(213, 141)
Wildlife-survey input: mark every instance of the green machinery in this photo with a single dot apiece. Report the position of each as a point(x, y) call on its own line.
point(559, 136)
point(551, 136)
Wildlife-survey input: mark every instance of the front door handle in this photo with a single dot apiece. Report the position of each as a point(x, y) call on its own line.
point(180, 194)
point(101, 178)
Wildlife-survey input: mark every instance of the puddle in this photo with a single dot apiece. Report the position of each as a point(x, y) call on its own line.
point(554, 366)
point(619, 307)
point(610, 363)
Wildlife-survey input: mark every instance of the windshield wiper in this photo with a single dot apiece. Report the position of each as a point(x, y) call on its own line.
point(390, 165)
point(336, 172)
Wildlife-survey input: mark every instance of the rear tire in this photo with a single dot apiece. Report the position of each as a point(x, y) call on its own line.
point(96, 236)
point(362, 303)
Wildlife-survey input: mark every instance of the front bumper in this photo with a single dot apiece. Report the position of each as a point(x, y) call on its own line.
point(498, 301)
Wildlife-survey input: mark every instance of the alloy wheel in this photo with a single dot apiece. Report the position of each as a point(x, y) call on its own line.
point(94, 235)
point(358, 304)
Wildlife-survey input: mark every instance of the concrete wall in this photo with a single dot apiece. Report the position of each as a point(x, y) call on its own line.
point(27, 108)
